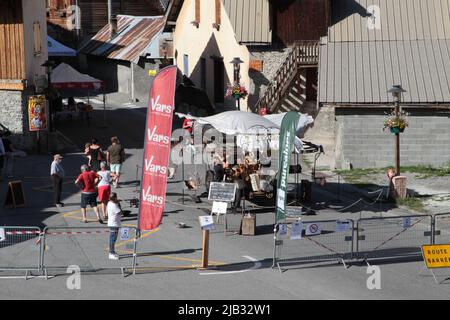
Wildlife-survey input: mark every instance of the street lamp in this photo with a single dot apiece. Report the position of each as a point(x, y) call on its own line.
point(236, 76)
point(48, 65)
point(396, 92)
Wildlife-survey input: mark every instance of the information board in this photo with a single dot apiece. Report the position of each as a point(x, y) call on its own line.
point(222, 191)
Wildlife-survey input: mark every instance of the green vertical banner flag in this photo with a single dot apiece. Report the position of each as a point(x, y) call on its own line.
point(287, 138)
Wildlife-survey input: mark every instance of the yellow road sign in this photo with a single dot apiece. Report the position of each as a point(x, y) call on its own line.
point(436, 256)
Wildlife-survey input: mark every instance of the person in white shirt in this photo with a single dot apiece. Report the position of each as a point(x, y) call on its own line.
point(57, 174)
point(114, 221)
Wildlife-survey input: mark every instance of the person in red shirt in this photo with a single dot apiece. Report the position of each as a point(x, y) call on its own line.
point(88, 181)
point(188, 124)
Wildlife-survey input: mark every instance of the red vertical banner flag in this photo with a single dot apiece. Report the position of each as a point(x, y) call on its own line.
point(158, 133)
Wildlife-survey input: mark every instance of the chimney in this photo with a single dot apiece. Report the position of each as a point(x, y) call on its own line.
point(113, 26)
point(112, 21)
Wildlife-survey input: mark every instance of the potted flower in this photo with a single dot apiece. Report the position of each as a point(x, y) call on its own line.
point(236, 91)
point(396, 124)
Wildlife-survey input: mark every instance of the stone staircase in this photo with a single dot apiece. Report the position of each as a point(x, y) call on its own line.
point(287, 92)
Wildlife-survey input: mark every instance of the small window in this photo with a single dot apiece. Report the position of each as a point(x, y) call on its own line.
point(37, 38)
point(218, 14)
point(186, 65)
point(197, 13)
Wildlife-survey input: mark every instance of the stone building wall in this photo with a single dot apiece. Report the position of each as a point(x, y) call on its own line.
point(13, 115)
point(272, 61)
point(361, 142)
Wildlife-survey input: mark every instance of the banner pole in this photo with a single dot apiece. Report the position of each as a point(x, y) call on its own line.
point(38, 138)
point(182, 172)
point(136, 237)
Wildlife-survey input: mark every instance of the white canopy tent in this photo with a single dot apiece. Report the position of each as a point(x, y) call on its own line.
point(236, 122)
point(304, 121)
point(252, 130)
point(66, 77)
point(57, 49)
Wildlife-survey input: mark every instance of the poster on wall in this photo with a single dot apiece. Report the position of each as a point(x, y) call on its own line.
point(37, 113)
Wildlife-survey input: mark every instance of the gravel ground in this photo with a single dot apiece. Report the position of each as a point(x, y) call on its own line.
point(434, 192)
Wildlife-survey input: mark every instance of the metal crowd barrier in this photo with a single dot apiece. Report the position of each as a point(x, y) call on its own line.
point(332, 243)
point(20, 249)
point(393, 237)
point(441, 233)
point(88, 249)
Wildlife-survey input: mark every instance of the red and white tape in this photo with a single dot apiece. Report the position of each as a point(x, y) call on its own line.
point(70, 233)
point(22, 233)
point(66, 233)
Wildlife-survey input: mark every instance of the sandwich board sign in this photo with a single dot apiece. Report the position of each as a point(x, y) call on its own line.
point(222, 191)
point(219, 207)
point(436, 257)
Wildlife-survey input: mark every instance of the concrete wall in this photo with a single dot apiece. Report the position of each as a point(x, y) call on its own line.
point(123, 76)
point(360, 140)
point(117, 74)
point(142, 79)
point(34, 11)
point(204, 41)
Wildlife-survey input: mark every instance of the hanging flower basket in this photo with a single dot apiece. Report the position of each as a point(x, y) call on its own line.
point(396, 130)
point(396, 124)
point(236, 91)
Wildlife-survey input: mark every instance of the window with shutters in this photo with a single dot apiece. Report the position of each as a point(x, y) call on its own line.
point(186, 65)
point(218, 16)
point(197, 13)
point(37, 38)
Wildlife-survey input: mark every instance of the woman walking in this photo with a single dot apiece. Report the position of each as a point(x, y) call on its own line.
point(114, 222)
point(96, 154)
point(104, 187)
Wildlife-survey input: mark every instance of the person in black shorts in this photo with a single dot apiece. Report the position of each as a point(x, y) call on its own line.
point(88, 181)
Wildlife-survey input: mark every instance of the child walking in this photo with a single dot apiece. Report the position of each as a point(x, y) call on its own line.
point(114, 222)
